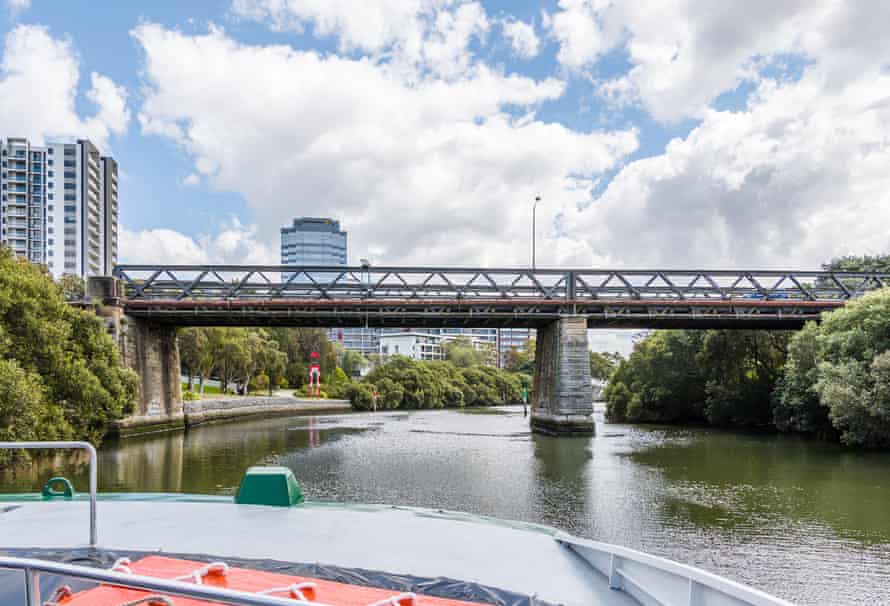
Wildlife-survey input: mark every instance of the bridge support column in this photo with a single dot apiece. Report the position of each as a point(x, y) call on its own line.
point(562, 403)
point(151, 350)
point(148, 348)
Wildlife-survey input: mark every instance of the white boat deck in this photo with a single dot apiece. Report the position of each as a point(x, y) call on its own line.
point(520, 558)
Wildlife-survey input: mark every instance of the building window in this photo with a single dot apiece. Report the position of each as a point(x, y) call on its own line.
point(50, 196)
point(49, 173)
point(50, 162)
point(50, 151)
point(70, 197)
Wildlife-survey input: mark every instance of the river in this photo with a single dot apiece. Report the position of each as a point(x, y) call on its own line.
point(805, 520)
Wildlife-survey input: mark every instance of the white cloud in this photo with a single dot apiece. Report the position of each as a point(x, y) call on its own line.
point(430, 171)
point(684, 54)
point(18, 6)
point(38, 87)
point(232, 244)
point(799, 177)
point(522, 37)
point(413, 36)
point(191, 180)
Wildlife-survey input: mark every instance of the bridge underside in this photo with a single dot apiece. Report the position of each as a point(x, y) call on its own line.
point(620, 313)
point(560, 303)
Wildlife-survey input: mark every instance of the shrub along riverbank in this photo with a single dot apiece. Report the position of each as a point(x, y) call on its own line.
point(831, 380)
point(406, 383)
point(60, 374)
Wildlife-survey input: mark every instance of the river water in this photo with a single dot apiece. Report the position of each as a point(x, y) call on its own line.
point(804, 520)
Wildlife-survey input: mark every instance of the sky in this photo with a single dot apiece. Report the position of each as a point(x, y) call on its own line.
point(666, 133)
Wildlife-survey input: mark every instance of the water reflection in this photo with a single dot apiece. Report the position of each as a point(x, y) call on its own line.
point(563, 478)
point(727, 479)
point(795, 517)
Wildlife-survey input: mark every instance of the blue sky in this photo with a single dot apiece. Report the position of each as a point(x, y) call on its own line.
point(670, 136)
point(154, 167)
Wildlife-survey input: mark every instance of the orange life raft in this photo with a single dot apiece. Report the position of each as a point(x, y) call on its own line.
point(242, 579)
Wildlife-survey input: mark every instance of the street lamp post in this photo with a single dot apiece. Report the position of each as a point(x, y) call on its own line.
point(534, 232)
point(366, 287)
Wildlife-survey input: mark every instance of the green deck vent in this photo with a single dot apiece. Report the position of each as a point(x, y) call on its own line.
point(269, 486)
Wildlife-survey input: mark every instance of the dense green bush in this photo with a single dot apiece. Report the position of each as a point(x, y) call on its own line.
point(61, 376)
point(406, 383)
point(389, 393)
point(831, 379)
point(360, 396)
point(797, 407)
point(840, 369)
point(722, 377)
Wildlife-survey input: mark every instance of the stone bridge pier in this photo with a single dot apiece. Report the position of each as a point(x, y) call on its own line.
point(562, 402)
point(150, 349)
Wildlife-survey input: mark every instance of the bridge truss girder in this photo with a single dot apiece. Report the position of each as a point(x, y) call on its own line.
point(441, 297)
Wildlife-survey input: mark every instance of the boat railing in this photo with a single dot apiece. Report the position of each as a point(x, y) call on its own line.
point(162, 587)
point(650, 579)
point(94, 470)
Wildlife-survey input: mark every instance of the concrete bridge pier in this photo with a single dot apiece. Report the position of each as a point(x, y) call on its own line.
point(150, 349)
point(562, 402)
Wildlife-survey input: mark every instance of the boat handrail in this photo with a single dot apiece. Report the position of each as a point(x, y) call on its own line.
point(94, 470)
point(32, 568)
point(651, 579)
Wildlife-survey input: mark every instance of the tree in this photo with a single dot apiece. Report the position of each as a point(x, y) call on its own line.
point(297, 344)
point(61, 369)
point(352, 362)
point(461, 353)
point(724, 377)
point(406, 383)
point(194, 351)
point(797, 407)
point(72, 287)
point(853, 369)
point(521, 359)
point(603, 364)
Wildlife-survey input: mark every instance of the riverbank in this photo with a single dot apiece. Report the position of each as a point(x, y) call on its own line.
point(198, 412)
point(213, 410)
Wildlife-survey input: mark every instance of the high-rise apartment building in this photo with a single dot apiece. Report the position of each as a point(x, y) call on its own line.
point(59, 205)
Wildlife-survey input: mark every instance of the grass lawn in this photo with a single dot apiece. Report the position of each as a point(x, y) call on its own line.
point(208, 389)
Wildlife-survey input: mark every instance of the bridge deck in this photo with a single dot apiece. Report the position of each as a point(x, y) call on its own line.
point(617, 313)
point(497, 297)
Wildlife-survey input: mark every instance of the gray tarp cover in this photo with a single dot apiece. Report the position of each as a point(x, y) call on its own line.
point(12, 591)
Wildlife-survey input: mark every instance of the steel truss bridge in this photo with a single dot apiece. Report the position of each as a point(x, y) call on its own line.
point(482, 297)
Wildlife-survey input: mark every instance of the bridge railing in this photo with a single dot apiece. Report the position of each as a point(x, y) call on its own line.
point(274, 282)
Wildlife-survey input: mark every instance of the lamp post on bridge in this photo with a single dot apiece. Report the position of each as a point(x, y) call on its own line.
point(534, 232)
point(366, 288)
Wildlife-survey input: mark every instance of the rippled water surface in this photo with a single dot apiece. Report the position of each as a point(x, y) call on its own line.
point(803, 520)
